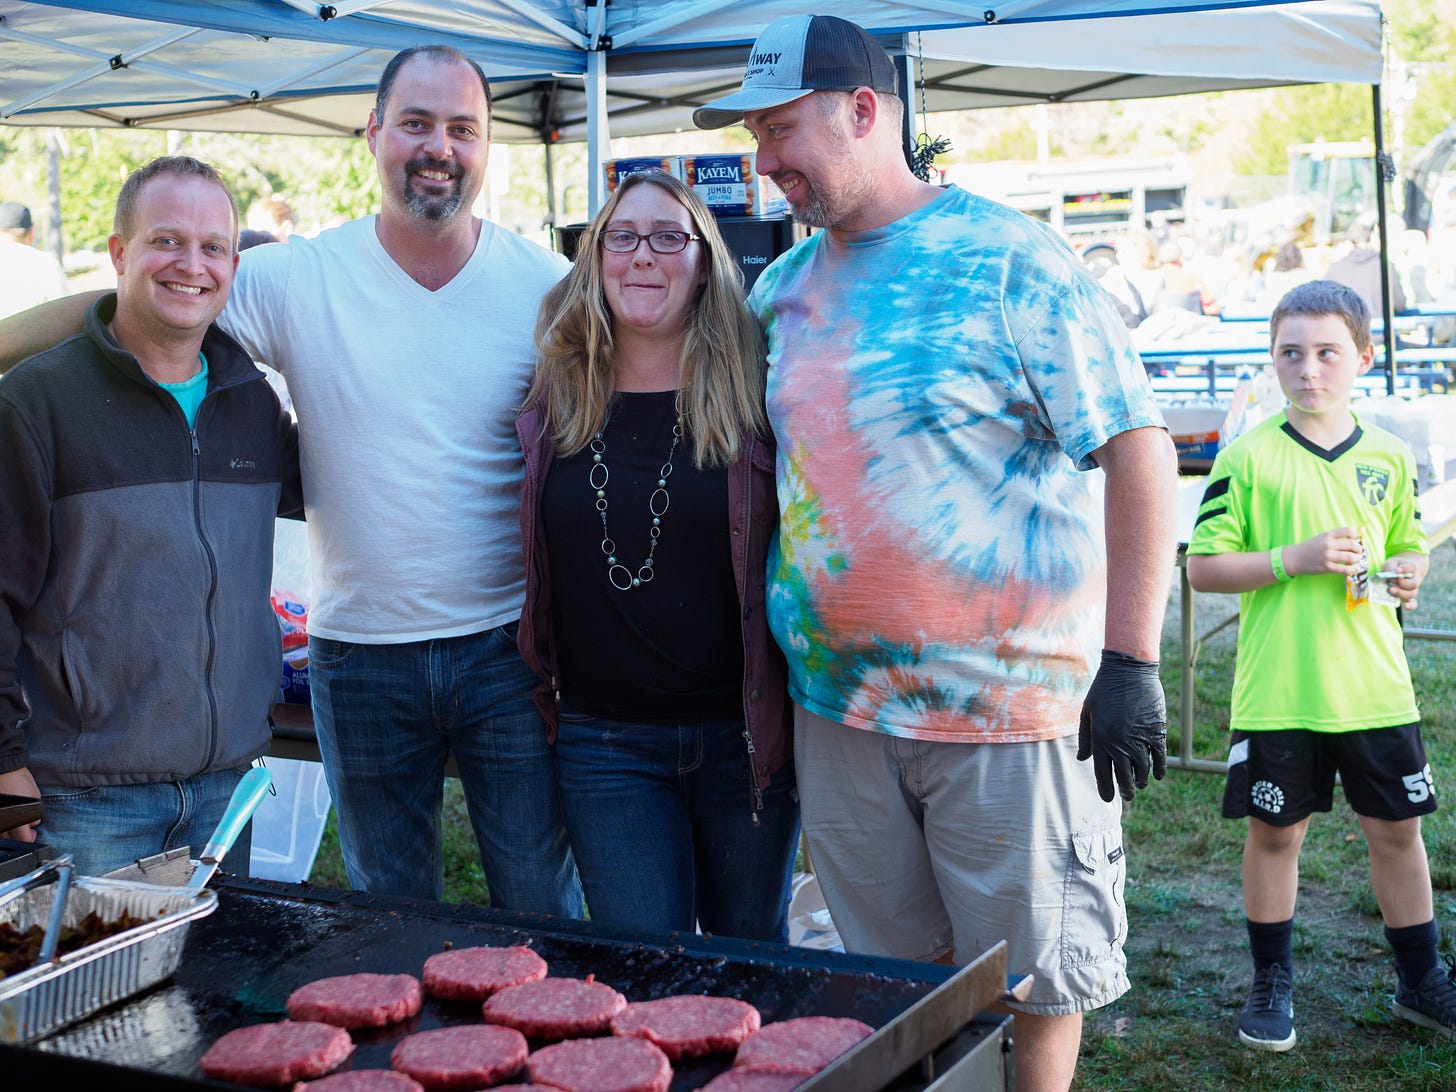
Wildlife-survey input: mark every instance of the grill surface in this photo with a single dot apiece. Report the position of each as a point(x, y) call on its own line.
point(265, 940)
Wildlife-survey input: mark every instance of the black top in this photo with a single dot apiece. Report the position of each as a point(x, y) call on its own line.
point(668, 650)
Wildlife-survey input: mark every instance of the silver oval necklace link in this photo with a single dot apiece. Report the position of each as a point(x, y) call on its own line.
point(658, 503)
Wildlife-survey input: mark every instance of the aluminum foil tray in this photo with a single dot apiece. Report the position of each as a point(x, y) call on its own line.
point(41, 999)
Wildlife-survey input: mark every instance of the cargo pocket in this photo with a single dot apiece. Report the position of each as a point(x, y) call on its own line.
point(1094, 914)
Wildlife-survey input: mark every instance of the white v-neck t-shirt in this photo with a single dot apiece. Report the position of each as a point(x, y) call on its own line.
point(406, 401)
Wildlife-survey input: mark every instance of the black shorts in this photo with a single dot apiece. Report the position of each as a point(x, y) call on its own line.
point(1282, 777)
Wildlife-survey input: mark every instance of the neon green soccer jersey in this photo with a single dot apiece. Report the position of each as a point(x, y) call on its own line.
point(1304, 659)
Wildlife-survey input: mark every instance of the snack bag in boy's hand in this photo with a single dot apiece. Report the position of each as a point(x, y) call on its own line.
point(1357, 581)
point(1364, 585)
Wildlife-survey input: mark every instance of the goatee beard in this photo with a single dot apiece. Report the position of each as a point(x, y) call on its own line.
point(432, 206)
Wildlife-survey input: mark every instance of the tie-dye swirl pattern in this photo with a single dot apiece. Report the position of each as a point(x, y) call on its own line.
point(937, 387)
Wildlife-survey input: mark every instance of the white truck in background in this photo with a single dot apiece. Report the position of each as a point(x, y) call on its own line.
point(1084, 199)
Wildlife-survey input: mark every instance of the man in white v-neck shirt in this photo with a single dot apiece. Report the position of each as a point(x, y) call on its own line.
point(406, 341)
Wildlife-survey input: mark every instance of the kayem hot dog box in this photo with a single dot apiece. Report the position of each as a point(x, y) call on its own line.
point(729, 185)
point(618, 169)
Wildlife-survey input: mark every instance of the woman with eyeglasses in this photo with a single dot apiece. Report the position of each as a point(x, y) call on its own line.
point(647, 511)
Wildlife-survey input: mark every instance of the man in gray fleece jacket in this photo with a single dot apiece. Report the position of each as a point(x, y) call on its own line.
point(142, 465)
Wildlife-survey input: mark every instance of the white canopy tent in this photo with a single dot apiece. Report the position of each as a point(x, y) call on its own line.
point(564, 70)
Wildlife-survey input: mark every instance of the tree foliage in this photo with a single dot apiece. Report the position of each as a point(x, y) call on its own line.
point(1435, 108)
point(1300, 115)
point(325, 180)
point(1423, 43)
point(328, 180)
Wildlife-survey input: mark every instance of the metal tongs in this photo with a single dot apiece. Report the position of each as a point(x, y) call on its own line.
point(58, 871)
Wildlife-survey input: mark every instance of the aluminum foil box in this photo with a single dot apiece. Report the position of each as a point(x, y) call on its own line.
point(42, 999)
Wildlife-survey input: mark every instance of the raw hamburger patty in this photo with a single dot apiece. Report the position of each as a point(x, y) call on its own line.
point(555, 1008)
point(805, 1044)
point(264, 1055)
point(473, 974)
point(362, 1080)
point(461, 1058)
point(601, 1065)
point(357, 1000)
point(745, 1079)
point(689, 1026)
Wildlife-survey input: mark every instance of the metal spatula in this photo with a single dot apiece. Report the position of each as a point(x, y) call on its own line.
point(176, 868)
point(246, 798)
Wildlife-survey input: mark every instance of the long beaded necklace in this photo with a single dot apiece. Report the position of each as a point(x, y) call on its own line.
point(657, 505)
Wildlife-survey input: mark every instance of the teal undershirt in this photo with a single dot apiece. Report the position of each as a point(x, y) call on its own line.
point(190, 392)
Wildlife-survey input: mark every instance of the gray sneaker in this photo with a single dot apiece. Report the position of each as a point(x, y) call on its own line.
point(1267, 1022)
point(1432, 1004)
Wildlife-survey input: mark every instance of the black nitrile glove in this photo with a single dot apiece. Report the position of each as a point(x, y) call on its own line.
point(1124, 724)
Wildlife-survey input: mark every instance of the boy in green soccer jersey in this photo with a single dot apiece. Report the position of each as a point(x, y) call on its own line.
point(1313, 518)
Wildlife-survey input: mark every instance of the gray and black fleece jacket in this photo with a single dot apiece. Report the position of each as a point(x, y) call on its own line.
point(137, 640)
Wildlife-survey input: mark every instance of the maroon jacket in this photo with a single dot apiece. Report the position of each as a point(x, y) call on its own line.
point(753, 521)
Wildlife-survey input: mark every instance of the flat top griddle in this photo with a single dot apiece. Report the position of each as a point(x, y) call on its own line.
point(266, 939)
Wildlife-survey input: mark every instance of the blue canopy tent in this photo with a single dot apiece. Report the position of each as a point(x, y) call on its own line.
point(584, 70)
point(573, 70)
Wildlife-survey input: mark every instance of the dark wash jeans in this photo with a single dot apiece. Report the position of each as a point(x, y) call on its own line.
point(389, 716)
point(107, 827)
point(661, 823)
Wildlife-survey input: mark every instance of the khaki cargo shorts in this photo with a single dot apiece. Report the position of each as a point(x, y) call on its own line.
point(928, 848)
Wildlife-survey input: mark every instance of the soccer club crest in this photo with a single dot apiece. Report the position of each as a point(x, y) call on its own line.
point(1373, 483)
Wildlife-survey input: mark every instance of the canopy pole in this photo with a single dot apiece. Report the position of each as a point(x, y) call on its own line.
point(1387, 301)
point(55, 243)
point(548, 139)
point(599, 138)
point(550, 168)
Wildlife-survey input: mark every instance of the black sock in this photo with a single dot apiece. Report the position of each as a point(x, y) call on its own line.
point(1271, 942)
point(1415, 951)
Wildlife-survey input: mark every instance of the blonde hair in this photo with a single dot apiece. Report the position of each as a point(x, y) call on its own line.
point(720, 371)
point(181, 166)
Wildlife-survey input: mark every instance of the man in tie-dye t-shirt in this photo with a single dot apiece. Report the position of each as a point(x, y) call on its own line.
point(956, 403)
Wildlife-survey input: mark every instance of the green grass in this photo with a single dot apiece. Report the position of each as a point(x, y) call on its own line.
point(464, 879)
point(1187, 947)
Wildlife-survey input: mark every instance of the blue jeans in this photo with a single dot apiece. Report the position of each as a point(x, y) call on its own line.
point(387, 719)
point(109, 826)
point(661, 822)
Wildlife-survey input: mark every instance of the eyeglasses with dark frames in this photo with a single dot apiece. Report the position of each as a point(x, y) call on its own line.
point(622, 241)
